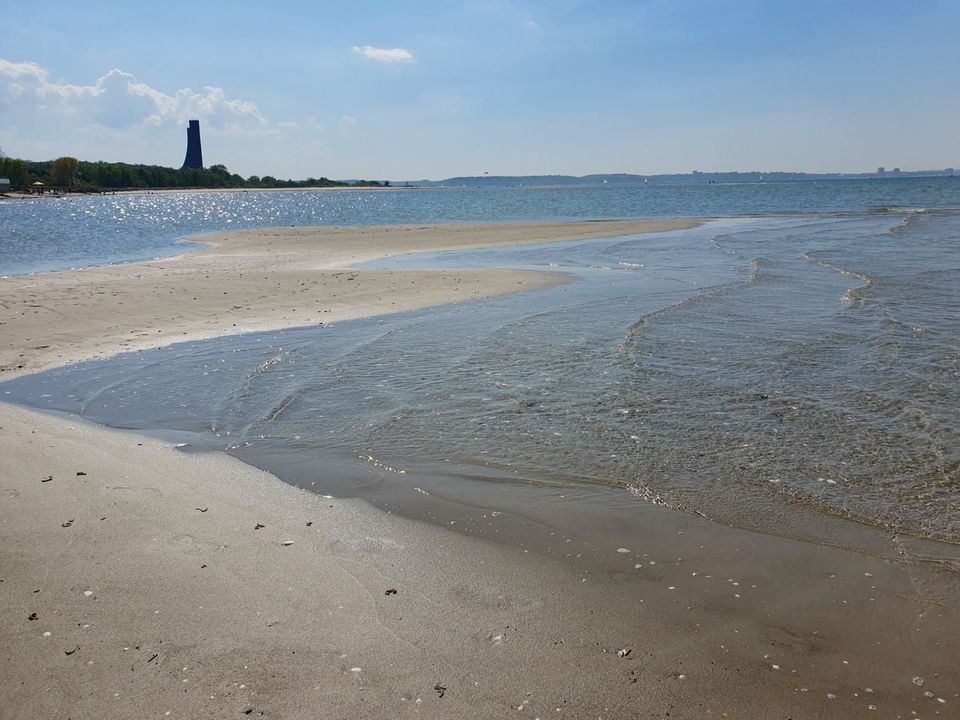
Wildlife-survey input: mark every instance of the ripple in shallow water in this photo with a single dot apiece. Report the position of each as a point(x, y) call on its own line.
point(742, 371)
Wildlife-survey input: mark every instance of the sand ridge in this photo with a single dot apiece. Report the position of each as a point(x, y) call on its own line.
point(254, 280)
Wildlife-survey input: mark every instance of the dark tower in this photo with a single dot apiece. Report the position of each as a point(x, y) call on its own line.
point(194, 159)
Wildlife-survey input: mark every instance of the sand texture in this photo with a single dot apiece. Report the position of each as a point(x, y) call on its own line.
point(258, 280)
point(140, 581)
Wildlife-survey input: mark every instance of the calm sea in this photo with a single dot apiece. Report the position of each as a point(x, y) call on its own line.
point(59, 234)
point(796, 371)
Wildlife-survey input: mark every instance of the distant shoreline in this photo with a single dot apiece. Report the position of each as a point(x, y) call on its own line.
point(526, 181)
point(54, 195)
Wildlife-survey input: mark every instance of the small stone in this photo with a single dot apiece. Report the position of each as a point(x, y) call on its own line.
point(286, 543)
point(918, 681)
point(624, 652)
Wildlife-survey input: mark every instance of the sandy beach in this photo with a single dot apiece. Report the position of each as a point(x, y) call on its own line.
point(139, 581)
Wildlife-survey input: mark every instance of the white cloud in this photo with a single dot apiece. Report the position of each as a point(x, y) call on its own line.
point(396, 55)
point(349, 120)
point(118, 100)
point(117, 117)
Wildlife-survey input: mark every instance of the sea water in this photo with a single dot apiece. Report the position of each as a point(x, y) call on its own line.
point(82, 230)
point(791, 374)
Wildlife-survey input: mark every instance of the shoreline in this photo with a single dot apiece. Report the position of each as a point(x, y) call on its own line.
point(160, 594)
point(138, 580)
point(51, 194)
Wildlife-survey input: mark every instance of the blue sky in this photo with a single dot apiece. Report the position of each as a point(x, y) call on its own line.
point(410, 90)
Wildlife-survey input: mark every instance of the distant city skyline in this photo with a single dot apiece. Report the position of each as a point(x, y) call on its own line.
point(431, 90)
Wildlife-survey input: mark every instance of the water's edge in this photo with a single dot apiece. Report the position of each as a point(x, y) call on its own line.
point(458, 491)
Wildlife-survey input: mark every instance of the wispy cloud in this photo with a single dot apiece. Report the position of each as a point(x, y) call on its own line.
point(383, 55)
point(349, 120)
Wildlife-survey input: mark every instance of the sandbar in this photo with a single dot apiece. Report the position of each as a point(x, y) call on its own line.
point(252, 280)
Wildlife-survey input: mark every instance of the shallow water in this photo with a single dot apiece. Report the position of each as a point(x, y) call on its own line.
point(789, 375)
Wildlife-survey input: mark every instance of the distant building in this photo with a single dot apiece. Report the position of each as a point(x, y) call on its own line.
point(5, 185)
point(948, 171)
point(194, 158)
point(896, 171)
point(881, 170)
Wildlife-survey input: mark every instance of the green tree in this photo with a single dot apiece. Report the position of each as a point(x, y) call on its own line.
point(15, 171)
point(64, 171)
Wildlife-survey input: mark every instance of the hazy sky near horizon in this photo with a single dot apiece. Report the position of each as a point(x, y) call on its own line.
point(416, 90)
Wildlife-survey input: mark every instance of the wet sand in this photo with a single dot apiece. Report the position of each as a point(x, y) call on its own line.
point(135, 581)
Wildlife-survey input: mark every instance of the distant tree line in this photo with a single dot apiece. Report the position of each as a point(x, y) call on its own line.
point(74, 175)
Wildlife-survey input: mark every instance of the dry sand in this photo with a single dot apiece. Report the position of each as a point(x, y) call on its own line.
point(258, 280)
point(136, 583)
